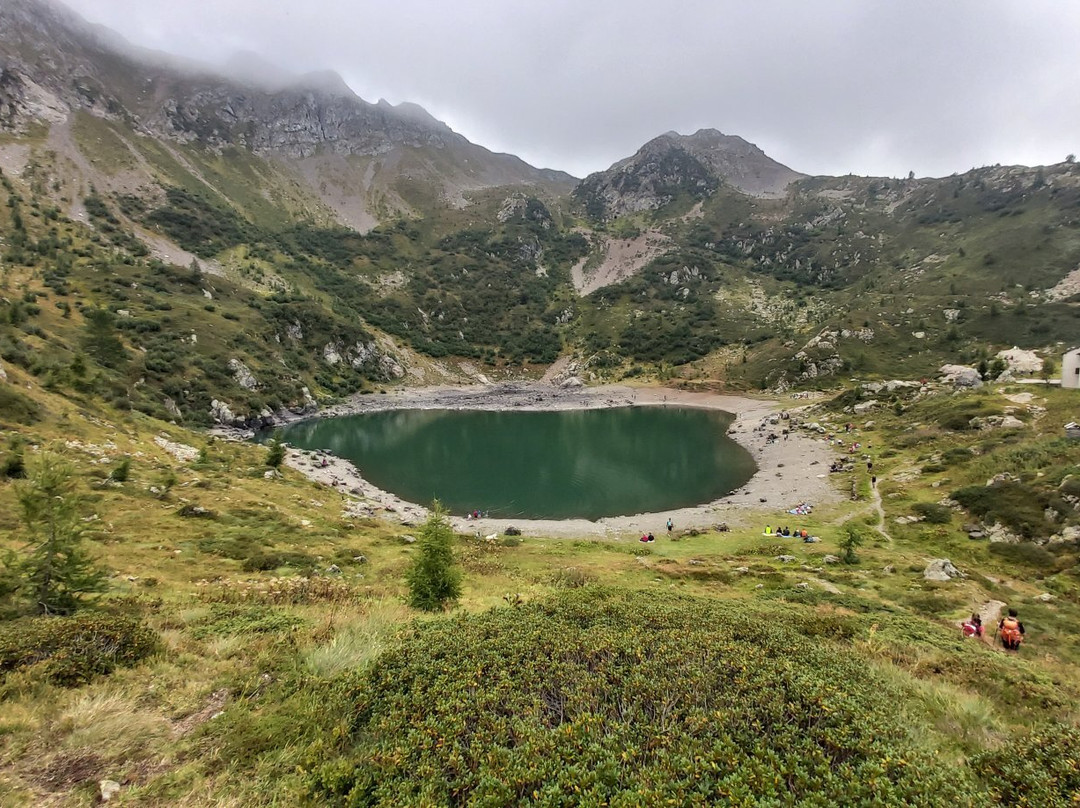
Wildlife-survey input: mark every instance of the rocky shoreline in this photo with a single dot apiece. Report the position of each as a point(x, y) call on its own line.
point(791, 470)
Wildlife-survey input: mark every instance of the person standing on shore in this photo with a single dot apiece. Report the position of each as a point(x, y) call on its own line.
point(670, 525)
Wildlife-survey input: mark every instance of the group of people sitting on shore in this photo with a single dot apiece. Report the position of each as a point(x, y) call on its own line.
point(786, 532)
point(802, 509)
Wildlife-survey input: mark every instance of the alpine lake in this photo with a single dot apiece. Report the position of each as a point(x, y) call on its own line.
point(539, 465)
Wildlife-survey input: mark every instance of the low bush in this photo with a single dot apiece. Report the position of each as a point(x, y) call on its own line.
point(1038, 768)
point(70, 651)
point(1019, 507)
point(570, 578)
point(1026, 553)
point(596, 698)
point(933, 512)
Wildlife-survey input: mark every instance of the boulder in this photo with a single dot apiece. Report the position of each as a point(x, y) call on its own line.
point(242, 375)
point(1045, 597)
point(573, 383)
point(108, 789)
point(831, 559)
point(786, 559)
point(222, 414)
point(999, 533)
point(1020, 361)
point(960, 375)
point(941, 569)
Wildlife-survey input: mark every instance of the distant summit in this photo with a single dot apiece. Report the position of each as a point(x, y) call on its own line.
point(673, 164)
point(364, 162)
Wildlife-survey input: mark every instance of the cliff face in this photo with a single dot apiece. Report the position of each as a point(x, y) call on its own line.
point(53, 64)
point(674, 164)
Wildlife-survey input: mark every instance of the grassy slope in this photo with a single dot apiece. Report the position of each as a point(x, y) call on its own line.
point(228, 650)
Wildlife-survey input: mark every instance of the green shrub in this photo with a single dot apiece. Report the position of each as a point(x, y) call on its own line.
point(1038, 768)
point(70, 651)
point(434, 580)
point(1019, 507)
point(121, 471)
point(1026, 553)
point(16, 408)
point(957, 455)
point(624, 699)
point(260, 562)
point(570, 578)
point(933, 512)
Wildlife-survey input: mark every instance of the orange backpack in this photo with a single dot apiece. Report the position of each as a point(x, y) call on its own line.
point(1010, 631)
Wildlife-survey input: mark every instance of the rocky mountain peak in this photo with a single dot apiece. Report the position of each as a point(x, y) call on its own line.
point(673, 164)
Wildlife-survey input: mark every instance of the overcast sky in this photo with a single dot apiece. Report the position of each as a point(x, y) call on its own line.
point(877, 87)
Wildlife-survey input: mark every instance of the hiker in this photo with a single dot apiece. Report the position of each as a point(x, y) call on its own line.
point(972, 627)
point(670, 525)
point(1011, 631)
point(873, 481)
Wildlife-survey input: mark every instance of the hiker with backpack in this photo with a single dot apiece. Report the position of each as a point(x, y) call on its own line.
point(1011, 631)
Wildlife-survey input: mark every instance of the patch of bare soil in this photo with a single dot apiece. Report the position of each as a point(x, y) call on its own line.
point(623, 257)
point(214, 705)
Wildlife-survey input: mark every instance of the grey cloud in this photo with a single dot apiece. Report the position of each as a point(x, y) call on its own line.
point(831, 86)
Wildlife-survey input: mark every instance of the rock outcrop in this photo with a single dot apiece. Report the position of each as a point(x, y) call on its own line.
point(941, 569)
point(675, 164)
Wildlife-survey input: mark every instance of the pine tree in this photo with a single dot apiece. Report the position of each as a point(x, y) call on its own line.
point(275, 455)
point(433, 580)
point(53, 572)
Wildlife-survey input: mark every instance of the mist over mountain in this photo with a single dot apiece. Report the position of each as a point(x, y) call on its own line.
point(386, 244)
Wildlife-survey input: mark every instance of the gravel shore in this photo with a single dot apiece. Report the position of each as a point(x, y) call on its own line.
point(791, 470)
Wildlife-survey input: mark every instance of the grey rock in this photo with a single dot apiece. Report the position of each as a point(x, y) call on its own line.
point(960, 375)
point(941, 569)
point(786, 559)
point(831, 559)
point(1045, 597)
point(242, 375)
point(108, 789)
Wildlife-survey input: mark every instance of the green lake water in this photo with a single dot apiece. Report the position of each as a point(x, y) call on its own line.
point(540, 465)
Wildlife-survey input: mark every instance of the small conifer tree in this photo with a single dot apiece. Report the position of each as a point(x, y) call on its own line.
point(53, 572)
point(851, 539)
point(434, 581)
point(276, 454)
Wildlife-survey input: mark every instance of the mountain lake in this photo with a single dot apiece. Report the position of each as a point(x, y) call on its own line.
point(539, 465)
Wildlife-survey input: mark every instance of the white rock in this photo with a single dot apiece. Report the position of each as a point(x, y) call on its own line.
point(108, 789)
point(960, 375)
point(941, 569)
